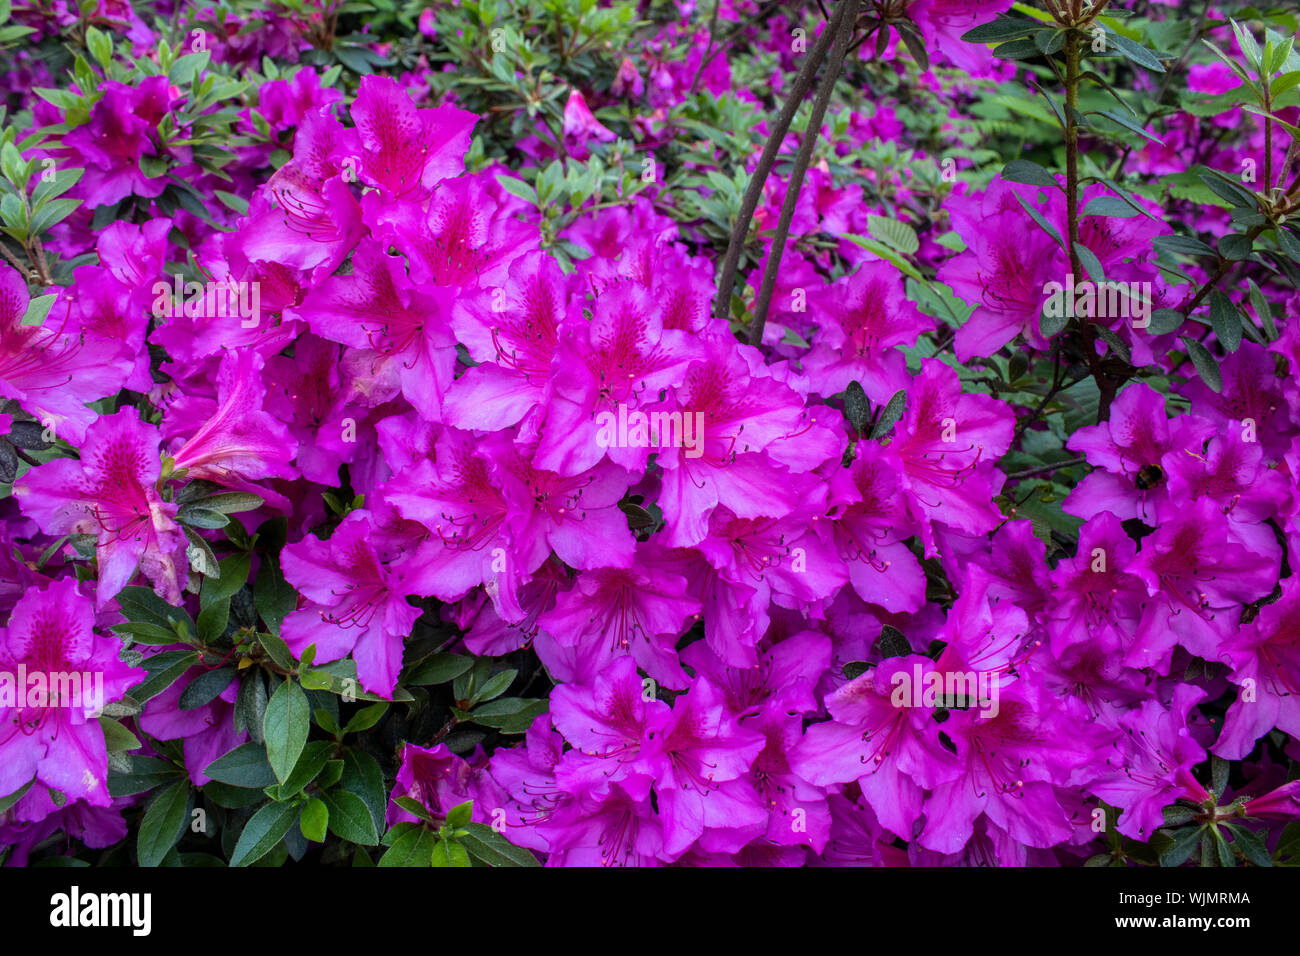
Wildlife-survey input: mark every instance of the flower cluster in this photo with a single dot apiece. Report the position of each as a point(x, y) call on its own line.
point(919, 575)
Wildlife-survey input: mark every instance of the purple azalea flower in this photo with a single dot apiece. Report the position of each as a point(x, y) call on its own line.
point(355, 602)
point(58, 742)
point(111, 492)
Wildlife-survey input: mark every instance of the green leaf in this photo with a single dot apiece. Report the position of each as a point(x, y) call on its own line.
point(439, 669)
point(413, 848)
point(1184, 245)
point(213, 620)
point(1204, 363)
point(892, 413)
point(262, 832)
point(886, 252)
point(1228, 191)
point(1119, 119)
point(1000, 30)
point(164, 670)
point(1251, 845)
point(250, 706)
point(1090, 262)
point(234, 573)
point(517, 187)
point(163, 823)
point(117, 737)
point(145, 774)
point(231, 502)
point(366, 718)
point(1135, 52)
point(1226, 856)
point(1164, 321)
point(285, 727)
point(51, 214)
point(1219, 769)
point(1225, 320)
point(1043, 224)
point(314, 757)
point(460, 814)
point(277, 650)
point(510, 714)
point(350, 819)
point(246, 766)
point(894, 233)
point(11, 799)
point(1234, 247)
point(38, 308)
point(363, 777)
point(1182, 848)
point(273, 597)
point(449, 853)
point(314, 820)
point(141, 604)
point(1024, 171)
point(495, 687)
point(197, 517)
point(1263, 311)
point(492, 849)
point(856, 407)
point(1109, 206)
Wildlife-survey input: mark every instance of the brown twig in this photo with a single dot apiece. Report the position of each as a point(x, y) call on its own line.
point(842, 26)
point(736, 244)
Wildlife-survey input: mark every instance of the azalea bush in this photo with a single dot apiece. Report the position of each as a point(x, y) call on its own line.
point(647, 433)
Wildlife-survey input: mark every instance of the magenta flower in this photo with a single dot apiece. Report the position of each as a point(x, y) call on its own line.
point(1004, 272)
point(51, 370)
point(1265, 659)
point(403, 148)
point(870, 527)
point(1197, 579)
point(1097, 599)
point(697, 754)
point(122, 129)
point(514, 337)
point(232, 440)
point(616, 612)
point(315, 220)
point(440, 780)
point(1152, 763)
point(580, 126)
point(1013, 768)
point(1129, 450)
point(111, 492)
point(48, 728)
point(355, 603)
point(943, 22)
point(893, 753)
point(403, 329)
point(945, 448)
point(866, 317)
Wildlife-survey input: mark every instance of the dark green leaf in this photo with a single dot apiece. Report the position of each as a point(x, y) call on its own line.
point(350, 819)
point(285, 727)
point(163, 823)
point(412, 848)
point(1204, 362)
point(1025, 171)
point(262, 832)
point(245, 766)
